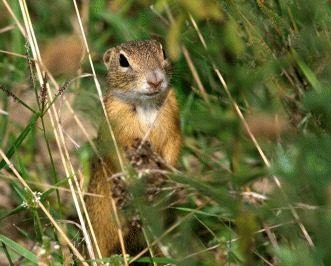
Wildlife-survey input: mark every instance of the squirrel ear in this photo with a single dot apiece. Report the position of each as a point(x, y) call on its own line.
point(107, 56)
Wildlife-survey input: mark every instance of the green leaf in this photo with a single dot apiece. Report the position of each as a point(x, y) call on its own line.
point(309, 74)
point(120, 24)
point(11, 212)
point(19, 191)
point(19, 249)
point(7, 254)
point(20, 139)
point(49, 191)
point(219, 194)
point(157, 260)
point(203, 213)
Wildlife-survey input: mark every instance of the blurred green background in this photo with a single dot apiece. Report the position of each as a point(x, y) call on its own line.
point(275, 59)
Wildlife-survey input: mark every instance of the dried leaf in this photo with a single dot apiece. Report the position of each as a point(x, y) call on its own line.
point(173, 38)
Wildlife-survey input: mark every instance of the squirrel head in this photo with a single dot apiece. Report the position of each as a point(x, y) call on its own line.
point(137, 71)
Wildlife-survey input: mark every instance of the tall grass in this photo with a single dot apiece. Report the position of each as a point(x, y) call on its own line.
point(253, 82)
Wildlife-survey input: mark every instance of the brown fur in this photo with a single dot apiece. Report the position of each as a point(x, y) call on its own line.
point(164, 137)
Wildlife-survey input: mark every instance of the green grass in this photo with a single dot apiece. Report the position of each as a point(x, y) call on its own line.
point(248, 198)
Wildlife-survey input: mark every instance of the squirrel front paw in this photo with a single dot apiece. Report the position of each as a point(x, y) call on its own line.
point(142, 156)
point(119, 191)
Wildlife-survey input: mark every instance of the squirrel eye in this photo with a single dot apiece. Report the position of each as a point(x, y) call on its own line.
point(123, 61)
point(164, 54)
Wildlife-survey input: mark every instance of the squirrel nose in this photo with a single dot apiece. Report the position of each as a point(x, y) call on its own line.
point(155, 83)
point(154, 79)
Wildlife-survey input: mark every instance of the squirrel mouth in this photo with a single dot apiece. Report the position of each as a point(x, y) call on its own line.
point(152, 93)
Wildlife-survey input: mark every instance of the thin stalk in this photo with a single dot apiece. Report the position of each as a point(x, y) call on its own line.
point(37, 226)
point(42, 207)
point(37, 57)
point(10, 262)
point(253, 139)
point(98, 87)
point(53, 170)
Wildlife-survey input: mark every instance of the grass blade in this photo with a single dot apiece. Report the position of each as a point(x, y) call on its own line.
point(20, 139)
point(7, 254)
point(12, 212)
point(19, 249)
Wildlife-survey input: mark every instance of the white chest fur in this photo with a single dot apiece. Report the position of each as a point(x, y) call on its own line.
point(147, 115)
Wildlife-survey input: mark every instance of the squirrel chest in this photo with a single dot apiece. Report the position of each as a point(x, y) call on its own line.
point(159, 124)
point(147, 115)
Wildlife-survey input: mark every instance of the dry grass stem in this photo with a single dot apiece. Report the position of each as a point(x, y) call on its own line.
point(12, 53)
point(10, 10)
point(71, 110)
point(252, 184)
point(169, 230)
point(189, 61)
point(200, 252)
point(7, 176)
point(36, 55)
point(7, 28)
point(263, 259)
point(97, 84)
point(271, 236)
point(42, 207)
point(3, 112)
point(57, 130)
point(148, 244)
point(256, 144)
point(195, 74)
point(120, 233)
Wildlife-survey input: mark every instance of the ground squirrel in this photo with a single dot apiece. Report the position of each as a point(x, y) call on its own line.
point(140, 104)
